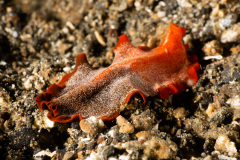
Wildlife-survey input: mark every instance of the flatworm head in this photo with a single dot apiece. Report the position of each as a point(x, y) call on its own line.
point(85, 92)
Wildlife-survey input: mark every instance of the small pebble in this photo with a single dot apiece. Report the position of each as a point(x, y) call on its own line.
point(224, 144)
point(91, 125)
point(63, 47)
point(142, 135)
point(232, 34)
point(210, 110)
point(70, 25)
point(179, 113)
point(184, 3)
point(67, 69)
point(213, 50)
point(160, 149)
point(125, 126)
point(68, 156)
point(143, 121)
point(234, 102)
point(28, 83)
point(41, 121)
point(3, 63)
point(99, 38)
point(235, 49)
point(100, 140)
point(15, 34)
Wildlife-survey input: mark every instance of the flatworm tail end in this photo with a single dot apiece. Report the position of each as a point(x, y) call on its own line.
point(44, 99)
point(44, 103)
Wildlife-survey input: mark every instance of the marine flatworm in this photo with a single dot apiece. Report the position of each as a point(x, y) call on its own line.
point(85, 92)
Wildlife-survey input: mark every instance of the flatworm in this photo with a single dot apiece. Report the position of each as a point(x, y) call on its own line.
point(85, 92)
